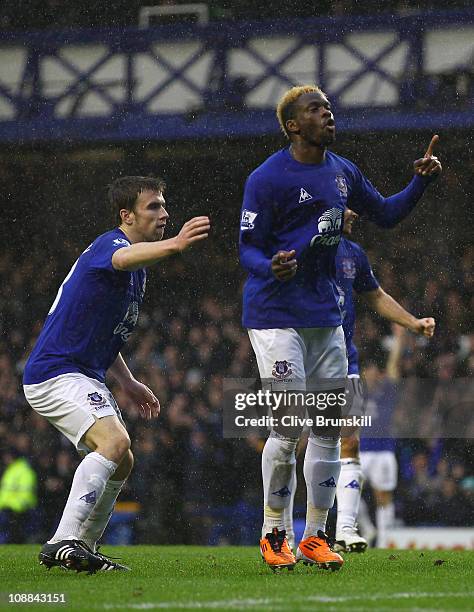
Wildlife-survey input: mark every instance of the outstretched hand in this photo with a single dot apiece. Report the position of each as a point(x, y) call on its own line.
point(194, 230)
point(284, 265)
point(142, 397)
point(428, 165)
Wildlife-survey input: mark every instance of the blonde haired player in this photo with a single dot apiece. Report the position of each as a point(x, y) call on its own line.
point(291, 225)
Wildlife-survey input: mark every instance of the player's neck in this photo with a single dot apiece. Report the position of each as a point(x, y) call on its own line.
point(129, 233)
point(307, 153)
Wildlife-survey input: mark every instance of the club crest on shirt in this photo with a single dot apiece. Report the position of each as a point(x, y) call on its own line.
point(96, 400)
point(341, 185)
point(118, 241)
point(349, 268)
point(282, 369)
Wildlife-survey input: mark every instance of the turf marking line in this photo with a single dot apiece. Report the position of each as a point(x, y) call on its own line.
point(242, 604)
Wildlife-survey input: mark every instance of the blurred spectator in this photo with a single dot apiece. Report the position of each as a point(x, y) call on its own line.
point(17, 497)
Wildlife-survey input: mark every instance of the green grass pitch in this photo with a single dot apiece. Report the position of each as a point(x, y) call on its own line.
point(231, 578)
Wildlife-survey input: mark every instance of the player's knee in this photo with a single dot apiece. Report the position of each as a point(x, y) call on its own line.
point(115, 447)
point(122, 445)
point(279, 449)
point(129, 461)
point(125, 467)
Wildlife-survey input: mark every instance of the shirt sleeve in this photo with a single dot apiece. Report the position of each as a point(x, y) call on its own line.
point(365, 278)
point(385, 212)
point(255, 227)
point(104, 248)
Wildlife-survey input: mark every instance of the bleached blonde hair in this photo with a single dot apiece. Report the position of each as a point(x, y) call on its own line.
point(286, 106)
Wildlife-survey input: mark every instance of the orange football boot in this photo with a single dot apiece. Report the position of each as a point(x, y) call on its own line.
point(275, 550)
point(315, 550)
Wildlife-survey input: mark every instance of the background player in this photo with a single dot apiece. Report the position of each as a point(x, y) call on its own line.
point(377, 452)
point(291, 225)
point(93, 315)
point(354, 272)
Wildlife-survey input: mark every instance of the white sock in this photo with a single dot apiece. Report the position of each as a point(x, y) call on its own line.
point(288, 512)
point(94, 526)
point(321, 471)
point(348, 493)
point(316, 519)
point(384, 519)
point(278, 459)
point(87, 487)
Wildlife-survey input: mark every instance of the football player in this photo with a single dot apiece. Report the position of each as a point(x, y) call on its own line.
point(291, 226)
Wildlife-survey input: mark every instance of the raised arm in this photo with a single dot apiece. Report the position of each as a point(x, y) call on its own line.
point(395, 354)
point(143, 254)
point(388, 212)
point(390, 309)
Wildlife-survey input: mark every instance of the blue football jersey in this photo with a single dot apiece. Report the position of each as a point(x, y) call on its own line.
point(353, 272)
point(93, 315)
point(291, 205)
point(380, 405)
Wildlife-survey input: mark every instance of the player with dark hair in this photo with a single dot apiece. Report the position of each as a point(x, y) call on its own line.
point(93, 315)
point(291, 226)
point(354, 273)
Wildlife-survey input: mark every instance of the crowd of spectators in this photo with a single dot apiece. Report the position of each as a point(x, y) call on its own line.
point(190, 484)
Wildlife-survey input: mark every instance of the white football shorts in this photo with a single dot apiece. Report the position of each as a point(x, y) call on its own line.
point(380, 469)
point(293, 356)
point(72, 403)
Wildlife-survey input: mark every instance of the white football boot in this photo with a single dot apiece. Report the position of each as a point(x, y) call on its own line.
point(349, 540)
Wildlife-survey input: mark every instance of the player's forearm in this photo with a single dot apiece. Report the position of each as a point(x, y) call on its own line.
point(390, 211)
point(120, 371)
point(143, 254)
point(253, 260)
point(394, 358)
point(390, 309)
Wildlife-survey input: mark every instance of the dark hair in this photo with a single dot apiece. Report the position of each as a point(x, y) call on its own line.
point(124, 191)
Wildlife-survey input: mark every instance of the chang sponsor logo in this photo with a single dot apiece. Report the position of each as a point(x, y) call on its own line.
point(125, 327)
point(329, 228)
